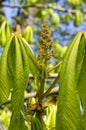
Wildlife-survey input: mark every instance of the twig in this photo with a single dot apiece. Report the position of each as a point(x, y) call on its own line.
point(59, 8)
point(38, 107)
point(57, 65)
point(51, 76)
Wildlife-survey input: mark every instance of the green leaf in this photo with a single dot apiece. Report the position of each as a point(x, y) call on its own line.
point(17, 123)
point(82, 84)
point(28, 34)
point(74, 2)
point(40, 118)
point(80, 56)
point(25, 61)
point(60, 51)
point(4, 78)
point(68, 113)
point(35, 124)
point(11, 59)
point(5, 33)
point(51, 116)
point(19, 83)
point(33, 65)
point(19, 68)
point(78, 18)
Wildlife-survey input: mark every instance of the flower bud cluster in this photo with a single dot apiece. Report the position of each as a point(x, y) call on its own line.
point(45, 47)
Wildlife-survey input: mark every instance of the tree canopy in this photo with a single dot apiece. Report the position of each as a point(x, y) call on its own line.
point(61, 16)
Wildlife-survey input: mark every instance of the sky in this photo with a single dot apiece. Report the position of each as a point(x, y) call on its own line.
point(9, 12)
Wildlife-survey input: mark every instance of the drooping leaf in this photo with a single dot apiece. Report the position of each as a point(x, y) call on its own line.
point(68, 113)
point(33, 65)
point(19, 69)
point(4, 78)
point(17, 123)
point(11, 60)
point(82, 84)
point(19, 83)
point(80, 56)
point(25, 61)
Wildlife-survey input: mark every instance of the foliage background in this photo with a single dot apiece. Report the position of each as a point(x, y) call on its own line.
point(62, 21)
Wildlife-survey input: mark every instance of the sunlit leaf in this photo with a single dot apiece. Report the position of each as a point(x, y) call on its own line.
point(68, 103)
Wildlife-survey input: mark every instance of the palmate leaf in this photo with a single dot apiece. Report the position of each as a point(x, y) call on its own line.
point(82, 84)
point(68, 113)
point(4, 78)
point(19, 68)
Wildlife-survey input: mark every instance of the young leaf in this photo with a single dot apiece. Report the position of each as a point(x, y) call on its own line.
point(4, 78)
point(11, 59)
point(19, 83)
point(17, 123)
point(51, 116)
point(25, 61)
point(68, 113)
point(33, 65)
point(82, 83)
point(35, 124)
point(5, 33)
point(28, 34)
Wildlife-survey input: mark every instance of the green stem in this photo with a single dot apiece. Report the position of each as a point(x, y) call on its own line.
point(43, 76)
point(50, 88)
point(57, 65)
point(42, 85)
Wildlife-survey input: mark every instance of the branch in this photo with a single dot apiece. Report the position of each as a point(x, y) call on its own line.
point(45, 103)
point(33, 94)
point(59, 8)
point(57, 65)
point(51, 76)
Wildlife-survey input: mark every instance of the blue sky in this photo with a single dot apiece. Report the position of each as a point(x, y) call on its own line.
point(9, 12)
